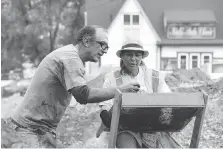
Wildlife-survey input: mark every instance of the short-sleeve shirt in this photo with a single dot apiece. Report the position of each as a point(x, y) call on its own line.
point(48, 94)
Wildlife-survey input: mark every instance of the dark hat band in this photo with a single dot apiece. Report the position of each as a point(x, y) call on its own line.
point(132, 45)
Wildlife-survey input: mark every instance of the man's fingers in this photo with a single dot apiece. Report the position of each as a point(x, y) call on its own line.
point(130, 87)
point(135, 88)
point(135, 84)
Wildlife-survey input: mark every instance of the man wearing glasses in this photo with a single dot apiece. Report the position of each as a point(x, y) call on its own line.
point(59, 76)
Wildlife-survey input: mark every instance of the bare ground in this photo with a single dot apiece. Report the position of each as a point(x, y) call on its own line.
point(78, 127)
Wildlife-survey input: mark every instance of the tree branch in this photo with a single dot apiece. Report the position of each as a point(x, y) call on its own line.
point(53, 34)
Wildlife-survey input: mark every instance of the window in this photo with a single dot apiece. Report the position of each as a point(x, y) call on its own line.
point(126, 19)
point(131, 19)
point(168, 64)
point(183, 62)
point(206, 59)
point(217, 68)
point(135, 19)
point(194, 61)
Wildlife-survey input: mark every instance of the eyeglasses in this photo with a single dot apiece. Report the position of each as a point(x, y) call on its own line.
point(103, 45)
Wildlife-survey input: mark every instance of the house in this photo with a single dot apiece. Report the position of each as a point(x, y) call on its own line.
point(177, 33)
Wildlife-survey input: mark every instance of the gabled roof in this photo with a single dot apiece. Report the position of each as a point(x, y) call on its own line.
point(102, 12)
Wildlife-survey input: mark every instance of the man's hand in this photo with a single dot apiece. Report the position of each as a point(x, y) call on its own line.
point(129, 87)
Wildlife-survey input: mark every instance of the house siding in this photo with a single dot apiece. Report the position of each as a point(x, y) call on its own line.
point(215, 51)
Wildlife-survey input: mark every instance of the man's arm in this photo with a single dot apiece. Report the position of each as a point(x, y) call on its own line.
point(109, 81)
point(85, 94)
point(99, 95)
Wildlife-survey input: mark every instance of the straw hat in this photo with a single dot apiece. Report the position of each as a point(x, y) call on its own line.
point(132, 45)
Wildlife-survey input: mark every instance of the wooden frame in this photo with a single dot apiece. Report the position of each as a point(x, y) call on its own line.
point(116, 115)
point(198, 124)
point(115, 119)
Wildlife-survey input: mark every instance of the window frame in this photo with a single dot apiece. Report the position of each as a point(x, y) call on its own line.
point(131, 19)
point(179, 60)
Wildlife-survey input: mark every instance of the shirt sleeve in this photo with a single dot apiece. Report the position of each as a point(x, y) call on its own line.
point(73, 73)
point(106, 105)
point(163, 87)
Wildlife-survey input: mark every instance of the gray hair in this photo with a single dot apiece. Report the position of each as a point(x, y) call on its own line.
point(88, 31)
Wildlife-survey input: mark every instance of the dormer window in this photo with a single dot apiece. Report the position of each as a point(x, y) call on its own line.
point(135, 19)
point(126, 19)
point(130, 19)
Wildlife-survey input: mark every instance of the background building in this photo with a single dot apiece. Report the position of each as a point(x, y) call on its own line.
point(177, 33)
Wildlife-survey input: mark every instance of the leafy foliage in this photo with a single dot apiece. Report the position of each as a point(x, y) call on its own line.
point(34, 28)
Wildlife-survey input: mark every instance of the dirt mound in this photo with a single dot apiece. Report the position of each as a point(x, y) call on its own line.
point(186, 76)
point(214, 87)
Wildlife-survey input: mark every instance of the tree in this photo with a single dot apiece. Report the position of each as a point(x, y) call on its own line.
point(11, 36)
point(37, 27)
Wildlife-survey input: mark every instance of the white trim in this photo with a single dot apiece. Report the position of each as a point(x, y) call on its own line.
point(133, 48)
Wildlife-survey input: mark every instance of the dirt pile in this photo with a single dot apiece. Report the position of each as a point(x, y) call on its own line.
point(186, 76)
point(214, 87)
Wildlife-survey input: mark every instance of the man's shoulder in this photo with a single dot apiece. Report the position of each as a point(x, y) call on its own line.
point(65, 50)
point(68, 54)
point(66, 47)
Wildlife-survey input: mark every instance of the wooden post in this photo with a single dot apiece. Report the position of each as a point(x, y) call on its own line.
point(198, 124)
point(115, 119)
